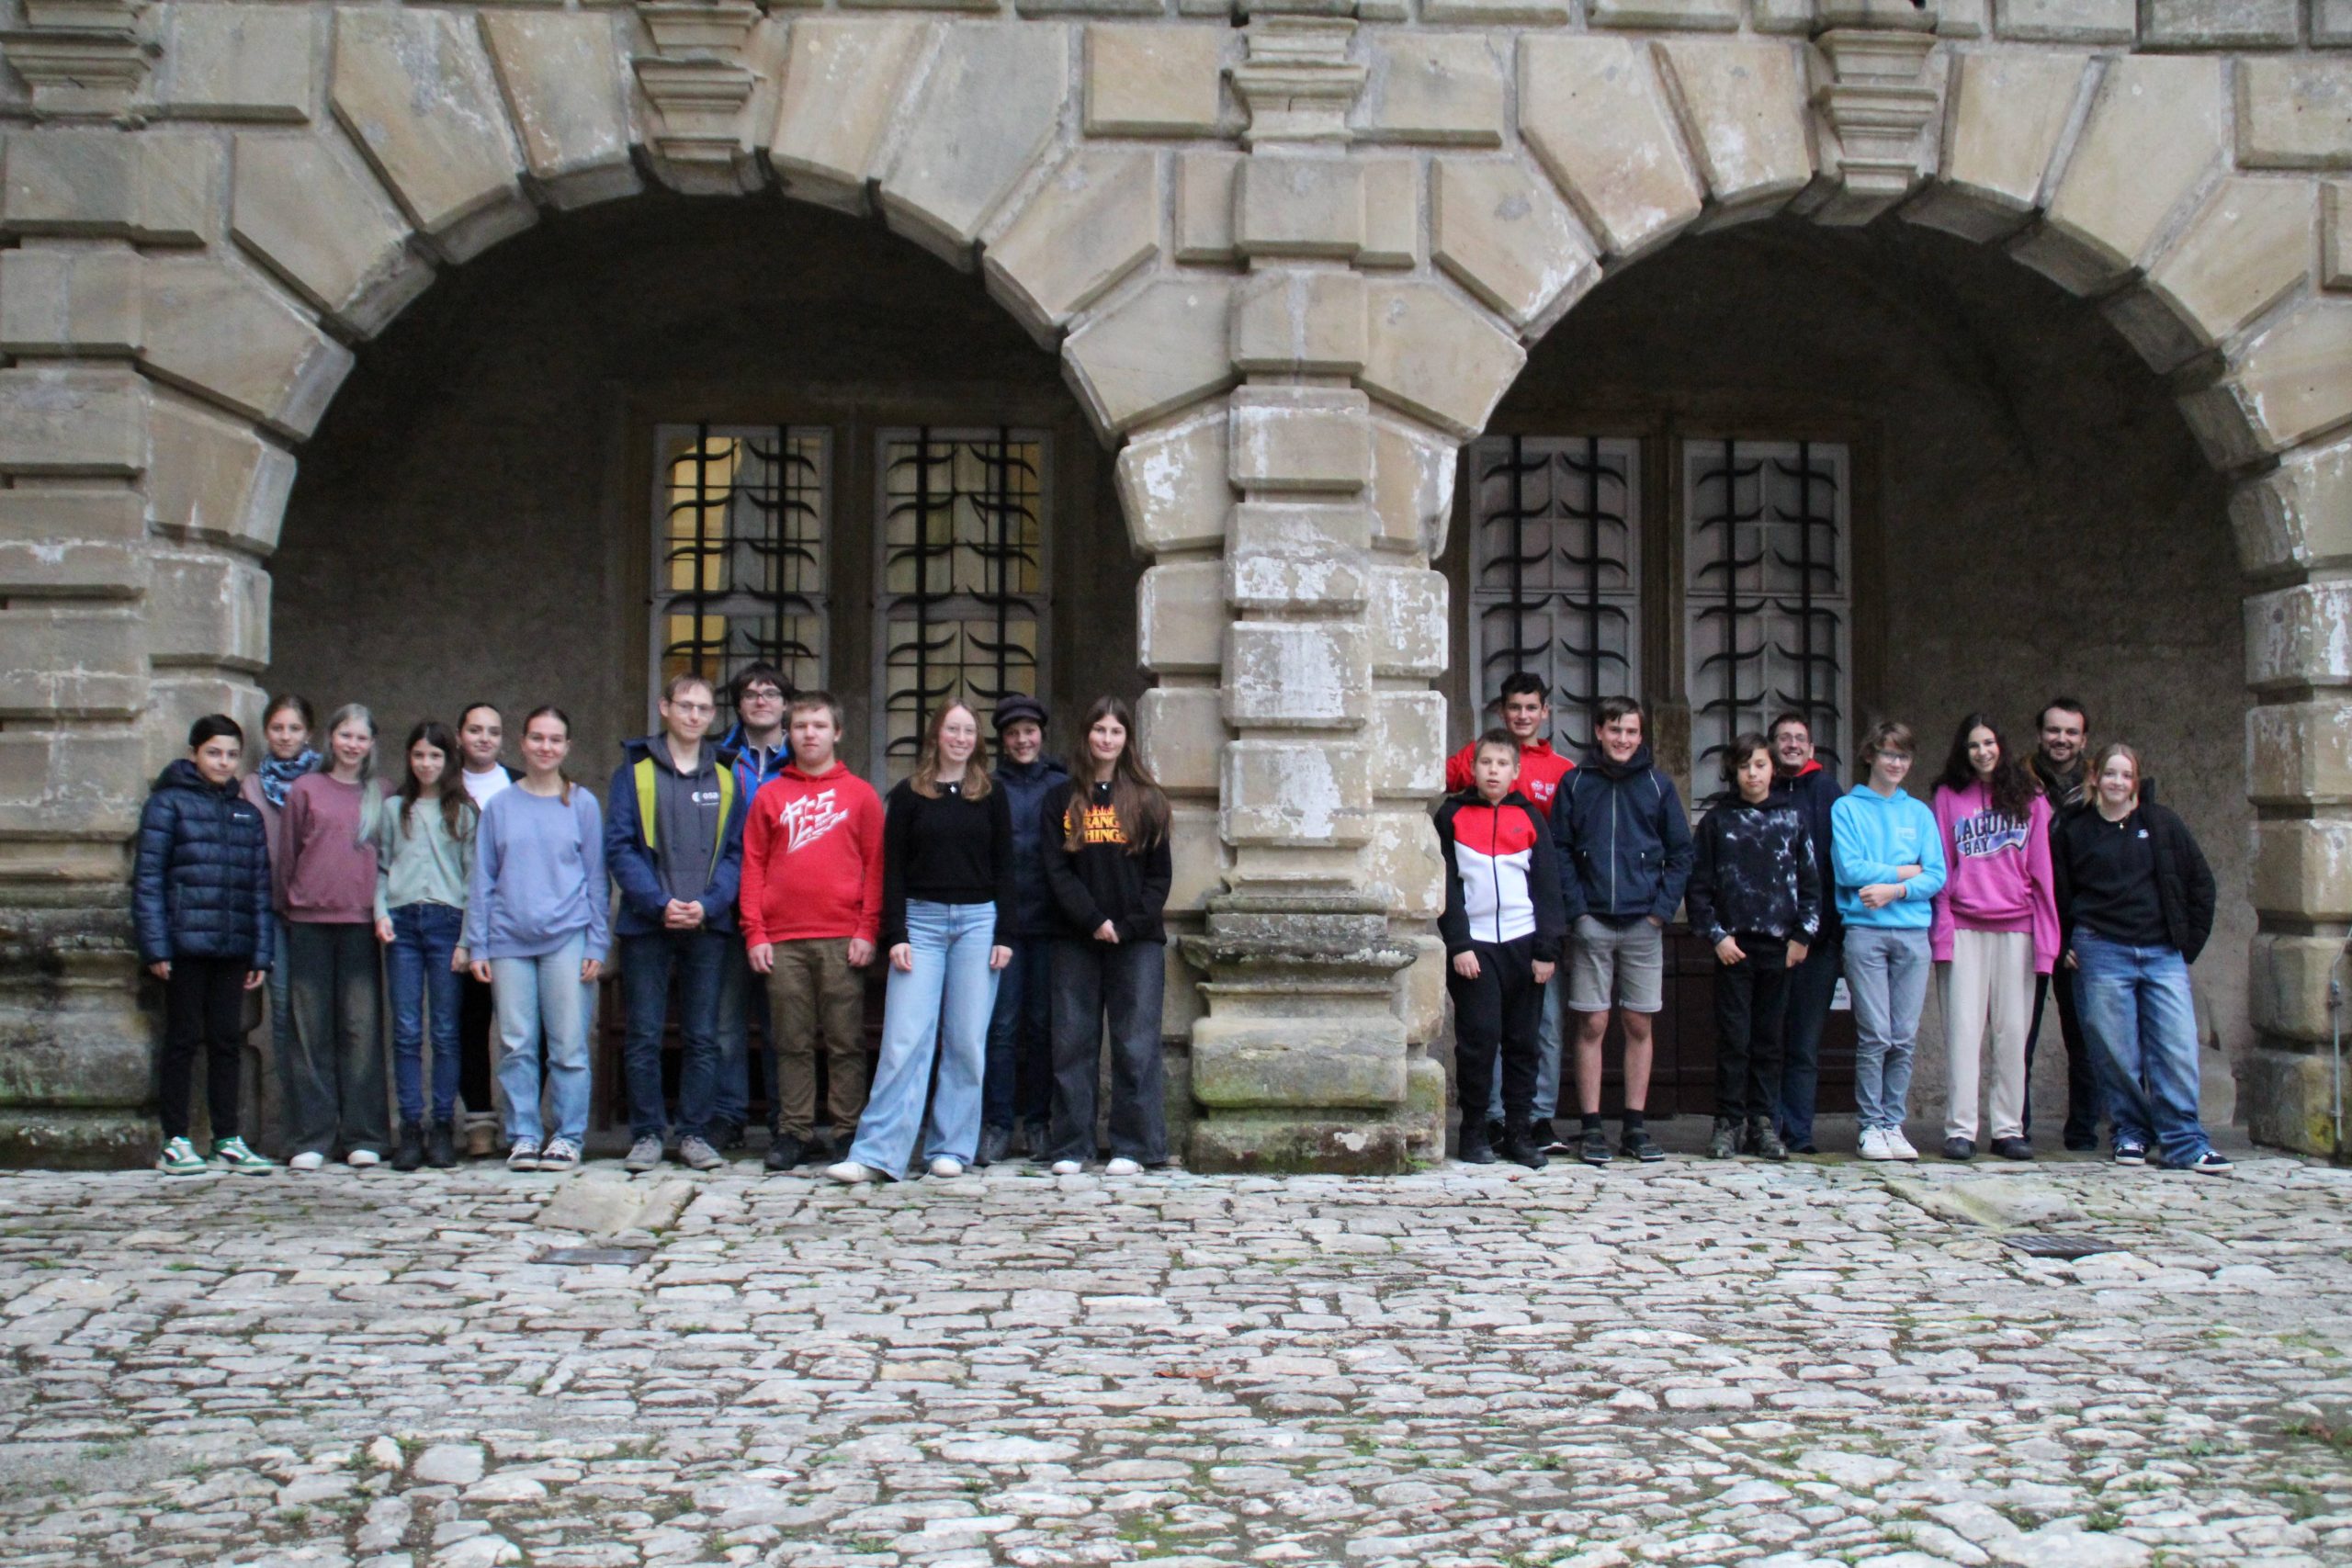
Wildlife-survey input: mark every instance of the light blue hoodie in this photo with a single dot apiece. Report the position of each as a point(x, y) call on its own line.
point(1871, 836)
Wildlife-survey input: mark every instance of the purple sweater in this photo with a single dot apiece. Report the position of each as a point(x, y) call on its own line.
point(1997, 876)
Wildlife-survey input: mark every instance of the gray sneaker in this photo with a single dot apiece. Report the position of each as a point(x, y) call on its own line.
point(643, 1155)
point(699, 1155)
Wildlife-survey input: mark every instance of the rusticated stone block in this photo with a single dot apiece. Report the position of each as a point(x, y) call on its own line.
point(1594, 114)
point(1298, 322)
point(1161, 347)
point(1504, 235)
point(415, 89)
point(2335, 235)
point(208, 609)
point(243, 62)
point(64, 422)
point(1095, 222)
point(1299, 207)
point(1298, 555)
point(1431, 355)
point(1205, 206)
point(73, 662)
point(1534, 13)
point(1743, 106)
point(1412, 487)
point(1153, 81)
point(2300, 753)
point(1295, 674)
point(1392, 213)
point(2287, 985)
point(1182, 736)
point(1197, 857)
point(212, 478)
point(1172, 486)
point(72, 543)
point(1305, 438)
point(2008, 112)
point(2247, 249)
point(70, 301)
point(1440, 89)
point(2299, 516)
point(1179, 618)
point(2302, 869)
point(75, 782)
point(1409, 621)
point(309, 212)
point(983, 115)
point(843, 82)
point(568, 93)
point(2219, 24)
point(227, 335)
point(1421, 999)
point(1272, 1143)
point(2289, 1099)
point(1302, 1063)
point(2157, 131)
point(2067, 21)
point(2289, 383)
point(100, 183)
point(1407, 739)
point(1702, 16)
point(2299, 636)
point(2295, 112)
point(1402, 866)
point(1309, 792)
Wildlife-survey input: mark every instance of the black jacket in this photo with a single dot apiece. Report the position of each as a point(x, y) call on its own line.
point(2184, 882)
point(1813, 793)
point(200, 883)
point(1754, 870)
point(1624, 843)
point(1105, 878)
point(1026, 788)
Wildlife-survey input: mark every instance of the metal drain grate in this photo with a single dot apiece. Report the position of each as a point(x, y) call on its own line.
point(2052, 1244)
point(582, 1257)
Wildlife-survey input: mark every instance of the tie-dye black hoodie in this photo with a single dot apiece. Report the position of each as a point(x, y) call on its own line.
point(1753, 872)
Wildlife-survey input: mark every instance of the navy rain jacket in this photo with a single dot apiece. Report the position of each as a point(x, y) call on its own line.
point(1624, 841)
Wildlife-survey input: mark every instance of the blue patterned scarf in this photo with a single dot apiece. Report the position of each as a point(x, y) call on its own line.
point(278, 776)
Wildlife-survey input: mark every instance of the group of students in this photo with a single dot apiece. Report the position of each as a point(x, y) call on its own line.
point(2019, 880)
point(752, 879)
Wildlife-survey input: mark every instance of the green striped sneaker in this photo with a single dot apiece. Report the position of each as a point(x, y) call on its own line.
point(179, 1158)
point(232, 1155)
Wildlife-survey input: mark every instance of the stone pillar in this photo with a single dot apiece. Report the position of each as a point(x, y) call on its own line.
point(1303, 1061)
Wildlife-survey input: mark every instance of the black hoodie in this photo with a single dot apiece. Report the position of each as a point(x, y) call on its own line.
point(1105, 878)
point(1754, 870)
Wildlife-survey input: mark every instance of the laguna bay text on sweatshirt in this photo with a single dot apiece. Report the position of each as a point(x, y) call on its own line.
point(1997, 873)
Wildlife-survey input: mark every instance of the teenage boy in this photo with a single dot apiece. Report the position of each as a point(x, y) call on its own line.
point(2059, 763)
point(759, 692)
point(1625, 850)
point(1502, 924)
point(1813, 791)
point(1890, 864)
point(673, 843)
point(481, 737)
point(1527, 714)
point(812, 909)
point(1017, 1088)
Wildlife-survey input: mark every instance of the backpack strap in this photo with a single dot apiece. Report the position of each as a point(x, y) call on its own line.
point(643, 772)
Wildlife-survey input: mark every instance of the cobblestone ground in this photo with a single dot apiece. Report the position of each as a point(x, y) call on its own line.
point(1691, 1362)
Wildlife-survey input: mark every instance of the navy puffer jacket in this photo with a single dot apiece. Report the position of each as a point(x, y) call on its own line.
point(199, 885)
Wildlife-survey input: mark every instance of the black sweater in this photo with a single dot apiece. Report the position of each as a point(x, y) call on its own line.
point(1105, 878)
point(945, 849)
point(1754, 870)
point(2087, 853)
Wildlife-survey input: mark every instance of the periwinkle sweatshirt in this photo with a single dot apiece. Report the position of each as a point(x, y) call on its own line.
point(1999, 877)
point(1872, 837)
point(539, 877)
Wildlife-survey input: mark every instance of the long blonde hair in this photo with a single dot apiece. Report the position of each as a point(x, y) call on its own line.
point(2100, 760)
point(924, 780)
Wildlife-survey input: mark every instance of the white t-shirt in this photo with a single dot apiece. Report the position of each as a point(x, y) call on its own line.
point(483, 787)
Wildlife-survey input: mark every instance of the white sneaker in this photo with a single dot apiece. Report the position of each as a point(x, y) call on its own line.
point(1899, 1146)
point(308, 1159)
point(1874, 1145)
point(849, 1173)
point(946, 1169)
point(1122, 1166)
point(1066, 1167)
point(360, 1159)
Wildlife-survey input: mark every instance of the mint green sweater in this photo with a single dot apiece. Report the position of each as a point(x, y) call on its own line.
point(417, 862)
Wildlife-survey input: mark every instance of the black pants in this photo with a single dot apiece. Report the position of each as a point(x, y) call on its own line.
point(1750, 996)
point(204, 1010)
point(1496, 1013)
point(1121, 983)
point(2083, 1111)
point(477, 1022)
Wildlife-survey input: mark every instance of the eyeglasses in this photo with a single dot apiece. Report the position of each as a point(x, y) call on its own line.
point(761, 694)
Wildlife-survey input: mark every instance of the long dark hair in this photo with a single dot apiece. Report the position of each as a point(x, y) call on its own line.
point(548, 710)
point(1135, 796)
point(2012, 785)
point(455, 802)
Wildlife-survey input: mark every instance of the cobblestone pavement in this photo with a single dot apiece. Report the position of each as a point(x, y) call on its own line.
point(1691, 1362)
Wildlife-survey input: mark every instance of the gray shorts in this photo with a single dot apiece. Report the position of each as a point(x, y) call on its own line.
point(1616, 966)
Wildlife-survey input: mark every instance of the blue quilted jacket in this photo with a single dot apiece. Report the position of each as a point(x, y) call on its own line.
point(199, 884)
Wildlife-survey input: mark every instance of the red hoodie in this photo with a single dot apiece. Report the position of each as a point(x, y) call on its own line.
point(812, 859)
point(1540, 769)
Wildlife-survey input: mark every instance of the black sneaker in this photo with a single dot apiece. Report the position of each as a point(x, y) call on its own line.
point(1543, 1136)
point(1804, 1146)
point(1593, 1147)
point(2081, 1143)
point(2212, 1162)
point(2131, 1153)
point(2013, 1148)
point(995, 1143)
point(819, 1150)
point(1723, 1142)
point(1958, 1149)
point(784, 1152)
point(1763, 1141)
point(1637, 1144)
point(441, 1146)
point(725, 1134)
point(1520, 1147)
point(1475, 1150)
point(410, 1154)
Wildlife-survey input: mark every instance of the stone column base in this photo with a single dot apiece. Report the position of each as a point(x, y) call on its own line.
point(76, 1032)
point(2289, 1099)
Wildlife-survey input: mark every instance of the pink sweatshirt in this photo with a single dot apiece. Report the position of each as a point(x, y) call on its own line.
point(1998, 877)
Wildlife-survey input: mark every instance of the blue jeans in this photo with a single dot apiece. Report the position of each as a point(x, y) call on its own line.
point(2142, 1022)
point(647, 962)
point(1886, 974)
point(1547, 1057)
point(544, 997)
point(940, 1008)
point(742, 1001)
point(1813, 986)
point(423, 937)
point(1019, 1087)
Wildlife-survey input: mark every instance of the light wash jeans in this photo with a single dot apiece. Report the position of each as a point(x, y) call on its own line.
point(941, 1007)
point(2141, 1023)
point(1886, 976)
point(1548, 1054)
point(544, 996)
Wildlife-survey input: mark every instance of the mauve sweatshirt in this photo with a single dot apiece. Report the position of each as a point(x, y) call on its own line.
point(330, 871)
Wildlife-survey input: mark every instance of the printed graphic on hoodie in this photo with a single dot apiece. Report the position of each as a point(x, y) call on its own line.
point(1098, 824)
point(1987, 833)
point(811, 817)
